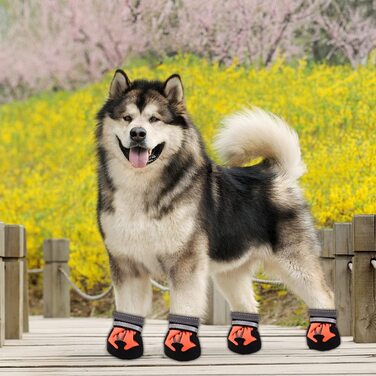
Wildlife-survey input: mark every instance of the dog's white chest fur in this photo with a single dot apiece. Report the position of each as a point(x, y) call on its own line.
point(130, 231)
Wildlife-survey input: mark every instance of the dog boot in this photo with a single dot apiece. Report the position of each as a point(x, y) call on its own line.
point(124, 340)
point(322, 333)
point(181, 341)
point(243, 337)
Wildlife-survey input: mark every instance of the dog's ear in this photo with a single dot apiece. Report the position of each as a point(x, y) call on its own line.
point(119, 84)
point(173, 89)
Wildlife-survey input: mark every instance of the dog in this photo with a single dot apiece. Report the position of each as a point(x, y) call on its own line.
point(165, 208)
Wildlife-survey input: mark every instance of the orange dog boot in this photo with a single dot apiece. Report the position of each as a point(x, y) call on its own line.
point(181, 342)
point(124, 340)
point(243, 337)
point(322, 333)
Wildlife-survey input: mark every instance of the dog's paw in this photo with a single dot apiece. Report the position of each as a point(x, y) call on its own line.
point(125, 343)
point(323, 336)
point(243, 339)
point(182, 345)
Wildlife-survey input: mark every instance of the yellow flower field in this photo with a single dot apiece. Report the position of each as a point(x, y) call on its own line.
point(47, 166)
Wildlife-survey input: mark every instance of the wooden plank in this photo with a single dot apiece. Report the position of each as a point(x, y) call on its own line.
point(364, 233)
point(328, 267)
point(364, 304)
point(225, 370)
point(327, 242)
point(209, 309)
point(343, 295)
point(327, 261)
point(343, 244)
point(13, 299)
point(343, 255)
point(2, 286)
point(56, 250)
point(2, 239)
point(56, 295)
point(219, 310)
point(363, 279)
point(159, 360)
point(13, 270)
point(26, 288)
point(2, 303)
point(154, 354)
point(14, 241)
point(155, 350)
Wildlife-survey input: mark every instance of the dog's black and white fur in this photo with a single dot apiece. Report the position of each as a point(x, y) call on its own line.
point(183, 216)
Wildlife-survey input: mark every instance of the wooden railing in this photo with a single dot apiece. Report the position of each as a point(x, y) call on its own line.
point(348, 259)
point(14, 308)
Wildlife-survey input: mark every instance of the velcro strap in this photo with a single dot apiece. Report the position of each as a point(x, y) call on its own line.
point(173, 325)
point(181, 322)
point(244, 323)
point(323, 319)
point(126, 320)
point(245, 316)
point(317, 312)
point(186, 320)
point(127, 325)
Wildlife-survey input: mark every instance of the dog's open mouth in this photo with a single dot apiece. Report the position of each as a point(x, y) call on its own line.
point(140, 157)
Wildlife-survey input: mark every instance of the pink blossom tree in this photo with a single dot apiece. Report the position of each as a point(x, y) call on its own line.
point(47, 44)
point(252, 31)
point(350, 29)
point(63, 44)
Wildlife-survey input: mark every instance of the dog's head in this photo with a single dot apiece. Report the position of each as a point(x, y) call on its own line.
point(142, 123)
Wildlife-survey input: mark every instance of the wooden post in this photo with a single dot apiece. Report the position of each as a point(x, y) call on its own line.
point(26, 289)
point(2, 286)
point(343, 255)
point(218, 308)
point(327, 255)
point(56, 295)
point(364, 279)
point(14, 285)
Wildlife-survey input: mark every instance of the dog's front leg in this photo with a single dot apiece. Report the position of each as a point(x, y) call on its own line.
point(188, 293)
point(188, 288)
point(133, 296)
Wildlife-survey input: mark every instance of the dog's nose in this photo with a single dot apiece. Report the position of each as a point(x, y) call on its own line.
point(138, 134)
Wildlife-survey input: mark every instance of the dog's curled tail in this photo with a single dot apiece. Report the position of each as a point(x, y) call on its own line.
point(254, 133)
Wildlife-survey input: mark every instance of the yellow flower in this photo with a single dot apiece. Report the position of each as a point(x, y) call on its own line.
point(47, 169)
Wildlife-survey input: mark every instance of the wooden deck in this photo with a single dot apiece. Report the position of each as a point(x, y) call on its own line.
point(76, 347)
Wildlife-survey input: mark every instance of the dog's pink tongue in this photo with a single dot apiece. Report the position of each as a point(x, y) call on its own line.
point(138, 157)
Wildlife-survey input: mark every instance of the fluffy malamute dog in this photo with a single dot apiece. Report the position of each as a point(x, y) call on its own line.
point(164, 208)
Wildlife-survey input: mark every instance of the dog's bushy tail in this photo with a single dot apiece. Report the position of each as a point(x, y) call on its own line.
point(254, 133)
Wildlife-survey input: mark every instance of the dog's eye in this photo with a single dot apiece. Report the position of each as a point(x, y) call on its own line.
point(153, 119)
point(128, 118)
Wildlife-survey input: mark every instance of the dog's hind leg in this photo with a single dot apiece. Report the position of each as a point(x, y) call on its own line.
point(133, 296)
point(236, 287)
point(299, 268)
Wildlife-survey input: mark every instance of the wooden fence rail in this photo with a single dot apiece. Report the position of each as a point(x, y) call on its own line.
point(14, 314)
point(347, 253)
point(2, 285)
point(56, 299)
point(343, 256)
point(364, 279)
